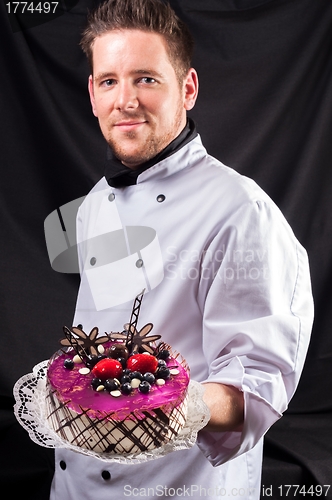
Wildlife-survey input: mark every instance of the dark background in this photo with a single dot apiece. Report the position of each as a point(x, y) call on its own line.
point(265, 109)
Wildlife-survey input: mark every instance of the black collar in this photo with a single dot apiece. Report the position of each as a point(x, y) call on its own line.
point(118, 175)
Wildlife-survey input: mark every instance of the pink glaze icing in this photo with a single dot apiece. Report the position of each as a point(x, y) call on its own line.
point(76, 391)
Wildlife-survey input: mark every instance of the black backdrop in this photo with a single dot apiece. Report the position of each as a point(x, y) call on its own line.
point(264, 108)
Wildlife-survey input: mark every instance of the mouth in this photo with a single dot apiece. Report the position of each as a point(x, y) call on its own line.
point(129, 125)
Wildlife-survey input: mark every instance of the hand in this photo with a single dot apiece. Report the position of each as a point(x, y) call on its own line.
point(226, 405)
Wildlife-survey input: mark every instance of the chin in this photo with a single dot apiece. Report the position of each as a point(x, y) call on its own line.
point(133, 154)
point(132, 158)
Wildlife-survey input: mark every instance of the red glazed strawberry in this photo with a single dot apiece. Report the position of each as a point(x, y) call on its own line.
point(107, 368)
point(142, 363)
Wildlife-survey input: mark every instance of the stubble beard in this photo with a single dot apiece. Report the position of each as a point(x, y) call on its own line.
point(148, 148)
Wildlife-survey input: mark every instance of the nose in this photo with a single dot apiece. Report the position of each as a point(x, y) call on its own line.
point(126, 96)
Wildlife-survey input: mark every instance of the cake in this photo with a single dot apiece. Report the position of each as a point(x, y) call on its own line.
point(119, 393)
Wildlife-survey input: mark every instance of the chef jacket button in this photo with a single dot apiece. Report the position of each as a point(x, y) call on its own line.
point(161, 198)
point(63, 465)
point(139, 263)
point(106, 475)
point(93, 260)
point(111, 197)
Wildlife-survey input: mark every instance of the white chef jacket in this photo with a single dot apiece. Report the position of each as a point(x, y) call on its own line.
point(232, 294)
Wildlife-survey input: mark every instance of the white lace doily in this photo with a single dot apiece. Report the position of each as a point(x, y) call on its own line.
point(30, 391)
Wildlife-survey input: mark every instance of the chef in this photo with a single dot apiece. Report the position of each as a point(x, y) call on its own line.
point(226, 282)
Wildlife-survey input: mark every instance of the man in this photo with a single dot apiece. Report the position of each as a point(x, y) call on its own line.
point(227, 282)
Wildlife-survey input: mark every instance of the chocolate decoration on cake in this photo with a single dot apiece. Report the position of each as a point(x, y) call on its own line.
point(136, 340)
point(111, 435)
point(139, 340)
point(88, 344)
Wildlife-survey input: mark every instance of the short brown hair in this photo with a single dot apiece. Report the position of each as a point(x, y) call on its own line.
point(146, 15)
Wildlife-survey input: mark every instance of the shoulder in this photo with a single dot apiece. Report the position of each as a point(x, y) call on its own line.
point(230, 197)
point(211, 178)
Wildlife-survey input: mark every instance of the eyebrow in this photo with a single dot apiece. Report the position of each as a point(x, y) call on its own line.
point(102, 76)
point(148, 72)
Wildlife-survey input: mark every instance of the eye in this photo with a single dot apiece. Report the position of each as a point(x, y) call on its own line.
point(147, 80)
point(107, 83)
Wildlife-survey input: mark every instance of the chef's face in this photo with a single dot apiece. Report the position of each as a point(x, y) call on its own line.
point(135, 93)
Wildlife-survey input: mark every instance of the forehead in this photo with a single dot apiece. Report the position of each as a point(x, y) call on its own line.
point(126, 48)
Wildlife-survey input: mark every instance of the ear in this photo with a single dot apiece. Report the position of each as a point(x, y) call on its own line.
point(92, 95)
point(190, 89)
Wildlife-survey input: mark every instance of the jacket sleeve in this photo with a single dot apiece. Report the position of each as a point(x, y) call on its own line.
point(258, 313)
